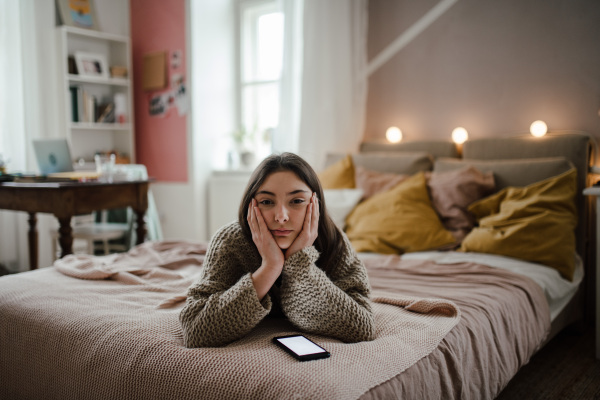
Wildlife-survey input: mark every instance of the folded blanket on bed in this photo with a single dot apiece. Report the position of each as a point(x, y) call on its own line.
point(116, 330)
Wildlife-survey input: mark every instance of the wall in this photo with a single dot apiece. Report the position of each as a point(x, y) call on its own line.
point(180, 189)
point(490, 66)
point(161, 139)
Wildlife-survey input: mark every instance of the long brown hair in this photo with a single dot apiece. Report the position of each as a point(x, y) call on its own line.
point(329, 240)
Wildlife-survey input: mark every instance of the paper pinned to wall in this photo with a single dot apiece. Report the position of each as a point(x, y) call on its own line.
point(154, 73)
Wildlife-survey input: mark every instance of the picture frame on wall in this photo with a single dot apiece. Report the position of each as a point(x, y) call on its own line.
point(91, 64)
point(79, 13)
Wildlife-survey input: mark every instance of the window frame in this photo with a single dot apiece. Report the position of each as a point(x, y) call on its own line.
point(247, 16)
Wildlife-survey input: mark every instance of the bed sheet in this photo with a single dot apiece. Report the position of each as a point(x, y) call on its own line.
point(558, 290)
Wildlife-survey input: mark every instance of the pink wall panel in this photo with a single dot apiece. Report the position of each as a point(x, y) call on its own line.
point(161, 134)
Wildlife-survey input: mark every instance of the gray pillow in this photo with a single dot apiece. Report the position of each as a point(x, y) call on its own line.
point(517, 172)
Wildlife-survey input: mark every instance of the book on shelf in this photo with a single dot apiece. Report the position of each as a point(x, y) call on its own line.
point(86, 107)
point(74, 103)
point(89, 107)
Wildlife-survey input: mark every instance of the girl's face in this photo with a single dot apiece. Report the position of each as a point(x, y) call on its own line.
point(283, 199)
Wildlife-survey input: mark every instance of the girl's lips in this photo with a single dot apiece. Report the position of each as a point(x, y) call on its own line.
point(281, 232)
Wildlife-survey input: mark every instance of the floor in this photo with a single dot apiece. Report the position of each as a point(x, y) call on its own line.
point(566, 368)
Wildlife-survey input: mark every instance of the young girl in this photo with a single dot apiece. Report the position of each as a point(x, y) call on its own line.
point(284, 257)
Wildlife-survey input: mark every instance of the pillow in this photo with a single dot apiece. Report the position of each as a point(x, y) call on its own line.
point(518, 172)
point(399, 220)
point(340, 202)
point(373, 182)
point(453, 191)
point(339, 175)
point(534, 223)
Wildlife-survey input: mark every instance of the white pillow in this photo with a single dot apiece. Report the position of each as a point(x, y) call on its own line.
point(340, 202)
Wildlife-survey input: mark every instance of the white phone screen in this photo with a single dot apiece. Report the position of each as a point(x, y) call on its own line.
point(300, 345)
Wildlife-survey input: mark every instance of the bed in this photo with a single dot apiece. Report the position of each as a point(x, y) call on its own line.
point(451, 322)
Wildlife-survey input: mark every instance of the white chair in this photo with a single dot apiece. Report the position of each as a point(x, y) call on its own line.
point(86, 228)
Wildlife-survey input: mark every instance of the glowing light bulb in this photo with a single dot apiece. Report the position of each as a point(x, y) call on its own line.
point(538, 128)
point(393, 134)
point(459, 135)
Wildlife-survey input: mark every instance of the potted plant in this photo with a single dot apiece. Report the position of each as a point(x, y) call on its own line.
point(243, 140)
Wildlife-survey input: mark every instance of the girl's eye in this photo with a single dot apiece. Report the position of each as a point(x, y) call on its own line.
point(265, 202)
point(298, 201)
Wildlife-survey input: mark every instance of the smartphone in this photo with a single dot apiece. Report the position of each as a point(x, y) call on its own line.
point(302, 348)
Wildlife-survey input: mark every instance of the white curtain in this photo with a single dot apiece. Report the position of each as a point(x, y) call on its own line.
point(27, 76)
point(12, 124)
point(324, 97)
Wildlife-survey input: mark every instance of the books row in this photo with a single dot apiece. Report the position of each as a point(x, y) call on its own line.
point(86, 107)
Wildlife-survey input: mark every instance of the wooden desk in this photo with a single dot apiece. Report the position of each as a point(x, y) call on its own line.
point(67, 199)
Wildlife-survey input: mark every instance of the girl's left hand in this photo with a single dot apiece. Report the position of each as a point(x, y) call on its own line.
point(310, 228)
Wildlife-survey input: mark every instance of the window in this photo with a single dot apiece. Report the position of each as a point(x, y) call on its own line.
point(261, 59)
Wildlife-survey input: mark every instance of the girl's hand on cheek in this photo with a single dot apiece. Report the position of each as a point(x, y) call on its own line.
point(310, 228)
point(262, 237)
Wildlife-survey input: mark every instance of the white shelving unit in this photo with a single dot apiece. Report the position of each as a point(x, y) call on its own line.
point(87, 138)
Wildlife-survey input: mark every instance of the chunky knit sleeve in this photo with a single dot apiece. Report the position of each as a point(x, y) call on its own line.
point(222, 306)
point(335, 305)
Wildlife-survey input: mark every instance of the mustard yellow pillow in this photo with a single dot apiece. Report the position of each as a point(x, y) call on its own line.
point(534, 223)
point(339, 175)
point(399, 220)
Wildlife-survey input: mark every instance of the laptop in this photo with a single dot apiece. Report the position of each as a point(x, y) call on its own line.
point(53, 155)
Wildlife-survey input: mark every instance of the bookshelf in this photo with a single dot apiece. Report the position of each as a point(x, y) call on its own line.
point(97, 110)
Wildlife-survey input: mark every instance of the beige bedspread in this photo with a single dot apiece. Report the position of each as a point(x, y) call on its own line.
point(107, 327)
point(504, 318)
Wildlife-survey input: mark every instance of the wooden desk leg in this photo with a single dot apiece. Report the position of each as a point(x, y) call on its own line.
point(33, 241)
point(140, 229)
point(66, 236)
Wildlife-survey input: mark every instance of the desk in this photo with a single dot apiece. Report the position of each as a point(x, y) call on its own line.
point(67, 199)
point(595, 191)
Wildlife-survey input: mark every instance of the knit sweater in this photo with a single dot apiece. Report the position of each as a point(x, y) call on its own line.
point(222, 305)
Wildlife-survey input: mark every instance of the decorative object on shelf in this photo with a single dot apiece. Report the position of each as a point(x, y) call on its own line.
point(79, 13)
point(121, 108)
point(91, 64)
point(118, 71)
point(119, 158)
point(106, 113)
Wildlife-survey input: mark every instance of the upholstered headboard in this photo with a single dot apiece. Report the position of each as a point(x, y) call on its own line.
point(437, 148)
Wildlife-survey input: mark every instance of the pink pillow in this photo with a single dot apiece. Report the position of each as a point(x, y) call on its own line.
point(373, 182)
point(453, 191)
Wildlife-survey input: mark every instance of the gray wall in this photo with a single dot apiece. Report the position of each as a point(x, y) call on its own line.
point(490, 66)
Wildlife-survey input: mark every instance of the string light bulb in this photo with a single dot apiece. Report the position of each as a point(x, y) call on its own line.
point(460, 135)
point(538, 128)
point(393, 134)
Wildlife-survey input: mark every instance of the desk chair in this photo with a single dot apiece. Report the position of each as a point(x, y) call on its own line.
point(97, 227)
point(86, 229)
